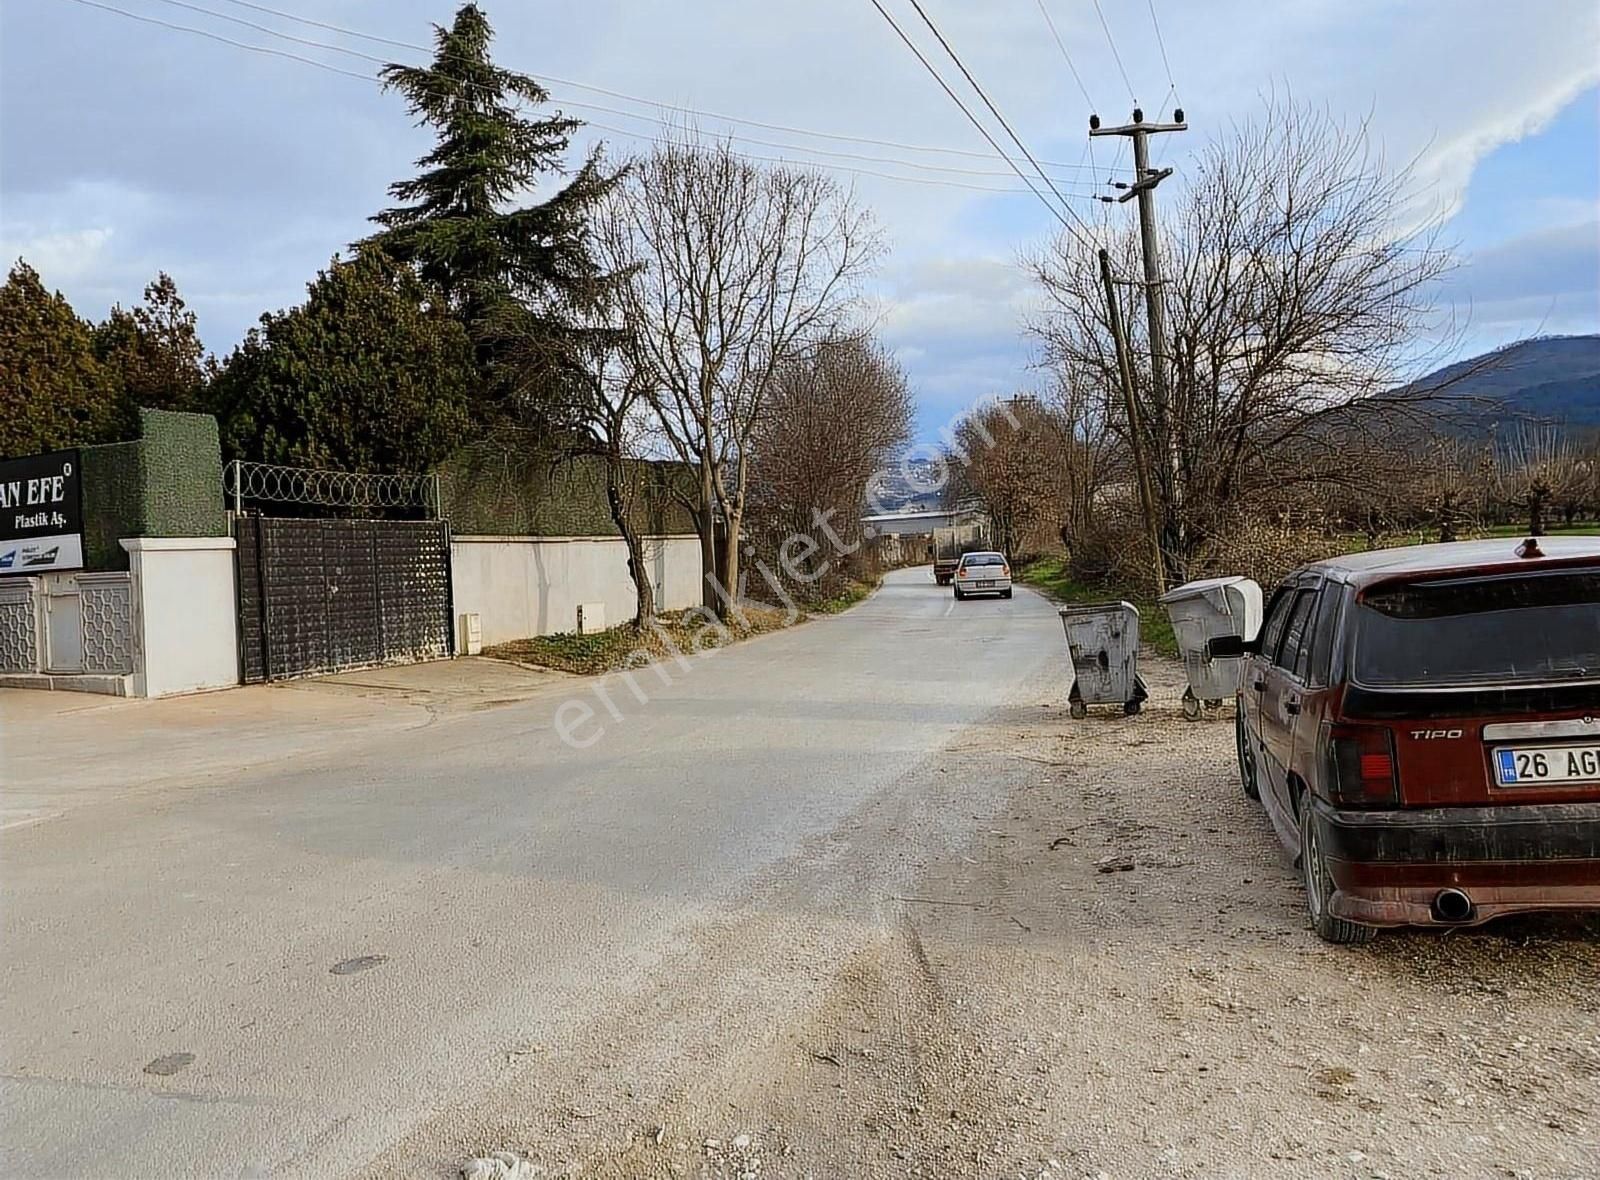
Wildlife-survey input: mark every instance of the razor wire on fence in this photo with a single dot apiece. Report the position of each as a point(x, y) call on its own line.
point(247, 482)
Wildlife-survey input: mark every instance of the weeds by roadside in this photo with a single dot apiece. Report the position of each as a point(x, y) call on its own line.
point(853, 593)
point(1050, 576)
point(614, 649)
point(618, 647)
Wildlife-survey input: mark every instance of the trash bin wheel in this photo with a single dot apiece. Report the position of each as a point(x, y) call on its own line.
point(1078, 709)
point(1214, 704)
point(1191, 706)
point(1131, 708)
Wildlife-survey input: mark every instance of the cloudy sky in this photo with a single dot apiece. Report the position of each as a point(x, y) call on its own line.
point(128, 147)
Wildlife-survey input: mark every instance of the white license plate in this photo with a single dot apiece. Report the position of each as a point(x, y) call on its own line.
point(982, 585)
point(1519, 766)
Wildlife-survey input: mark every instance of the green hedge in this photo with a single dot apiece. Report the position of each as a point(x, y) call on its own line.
point(165, 483)
point(513, 487)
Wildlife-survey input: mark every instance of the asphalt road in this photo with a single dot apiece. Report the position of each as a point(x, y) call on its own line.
point(350, 940)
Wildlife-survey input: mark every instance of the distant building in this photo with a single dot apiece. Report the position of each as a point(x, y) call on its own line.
point(907, 537)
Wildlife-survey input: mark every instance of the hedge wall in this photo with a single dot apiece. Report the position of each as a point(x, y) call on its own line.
point(510, 486)
point(165, 483)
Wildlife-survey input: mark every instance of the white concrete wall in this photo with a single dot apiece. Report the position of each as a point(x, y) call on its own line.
point(526, 586)
point(186, 613)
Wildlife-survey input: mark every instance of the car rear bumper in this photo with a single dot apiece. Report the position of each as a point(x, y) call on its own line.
point(999, 586)
point(1389, 867)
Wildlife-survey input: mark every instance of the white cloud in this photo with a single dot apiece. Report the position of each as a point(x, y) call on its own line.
point(241, 174)
point(65, 257)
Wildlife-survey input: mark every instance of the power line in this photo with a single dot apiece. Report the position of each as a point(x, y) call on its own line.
point(994, 110)
point(1115, 55)
point(1162, 44)
point(977, 188)
point(650, 102)
point(591, 123)
point(1062, 45)
point(595, 107)
point(271, 32)
point(151, 20)
point(971, 118)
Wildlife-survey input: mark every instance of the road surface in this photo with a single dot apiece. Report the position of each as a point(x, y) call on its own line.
point(403, 945)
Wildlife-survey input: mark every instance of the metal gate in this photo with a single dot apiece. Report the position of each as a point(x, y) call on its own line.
point(323, 594)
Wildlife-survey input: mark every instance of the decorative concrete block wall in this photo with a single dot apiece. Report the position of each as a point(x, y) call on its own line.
point(19, 626)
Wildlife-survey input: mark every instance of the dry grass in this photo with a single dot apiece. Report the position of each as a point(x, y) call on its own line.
point(627, 646)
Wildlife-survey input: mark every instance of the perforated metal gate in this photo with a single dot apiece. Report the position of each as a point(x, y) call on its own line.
point(325, 595)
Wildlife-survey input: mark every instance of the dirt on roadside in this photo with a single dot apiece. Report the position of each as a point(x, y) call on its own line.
point(1102, 968)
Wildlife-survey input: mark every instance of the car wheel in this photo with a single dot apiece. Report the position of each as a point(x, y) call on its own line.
point(1247, 758)
point(1319, 888)
point(1005, 594)
point(959, 595)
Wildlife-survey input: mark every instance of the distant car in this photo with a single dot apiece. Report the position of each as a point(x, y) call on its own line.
point(1421, 727)
point(983, 573)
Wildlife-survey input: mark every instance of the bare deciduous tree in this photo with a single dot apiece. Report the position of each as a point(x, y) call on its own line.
point(1018, 459)
point(739, 265)
point(1298, 286)
point(585, 382)
point(1538, 467)
point(836, 414)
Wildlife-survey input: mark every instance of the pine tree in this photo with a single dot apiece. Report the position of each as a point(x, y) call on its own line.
point(508, 272)
point(154, 352)
point(371, 373)
point(53, 393)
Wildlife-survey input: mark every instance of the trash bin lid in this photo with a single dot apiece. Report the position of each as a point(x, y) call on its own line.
point(1097, 608)
point(1200, 588)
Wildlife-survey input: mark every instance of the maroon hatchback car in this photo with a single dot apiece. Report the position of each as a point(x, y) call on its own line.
point(1421, 727)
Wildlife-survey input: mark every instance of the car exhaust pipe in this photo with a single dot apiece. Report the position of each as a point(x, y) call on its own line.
point(1451, 905)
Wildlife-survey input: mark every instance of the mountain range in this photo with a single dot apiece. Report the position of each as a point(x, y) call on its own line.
point(1548, 378)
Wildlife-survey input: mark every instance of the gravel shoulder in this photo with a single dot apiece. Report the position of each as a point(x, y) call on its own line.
point(966, 978)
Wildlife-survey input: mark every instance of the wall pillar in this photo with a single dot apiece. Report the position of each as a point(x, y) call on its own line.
point(186, 613)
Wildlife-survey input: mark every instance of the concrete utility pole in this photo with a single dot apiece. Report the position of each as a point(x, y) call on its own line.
point(1147, 499)
point(1143, 187)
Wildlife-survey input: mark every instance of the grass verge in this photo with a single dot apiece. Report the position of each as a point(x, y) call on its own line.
point(853, 593)
point(621, 647)
point(1050, 576)
point(687, 632)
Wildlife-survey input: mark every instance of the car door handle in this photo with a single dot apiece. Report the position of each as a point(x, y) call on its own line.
point(1291, 706)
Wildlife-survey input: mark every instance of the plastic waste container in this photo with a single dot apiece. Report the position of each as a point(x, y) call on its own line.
point(1103, 639)
point(1200, 612)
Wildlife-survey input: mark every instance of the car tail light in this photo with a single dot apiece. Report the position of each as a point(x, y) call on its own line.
point(1005, 571)
point(1361, 766)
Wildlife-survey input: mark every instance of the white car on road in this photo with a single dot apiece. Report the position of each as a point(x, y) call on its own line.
point(983, 573)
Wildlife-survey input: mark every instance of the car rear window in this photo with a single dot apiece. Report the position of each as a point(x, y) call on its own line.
point(983, 559)
point(1522, 628)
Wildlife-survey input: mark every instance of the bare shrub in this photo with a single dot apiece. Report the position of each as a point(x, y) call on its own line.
point(836, 413)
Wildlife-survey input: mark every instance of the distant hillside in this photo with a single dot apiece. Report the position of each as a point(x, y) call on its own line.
point(915, 486)
point(1552, 378)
